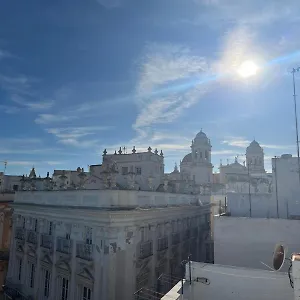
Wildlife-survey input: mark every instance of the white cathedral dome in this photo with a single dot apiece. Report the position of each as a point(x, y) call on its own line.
point(201, 138)
point(254, 146)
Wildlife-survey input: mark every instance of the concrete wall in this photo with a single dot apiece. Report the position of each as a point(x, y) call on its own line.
point(262, 206)
point(106, 198)
point(250, 242)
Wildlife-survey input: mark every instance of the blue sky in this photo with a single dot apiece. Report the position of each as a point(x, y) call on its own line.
point(80, 76)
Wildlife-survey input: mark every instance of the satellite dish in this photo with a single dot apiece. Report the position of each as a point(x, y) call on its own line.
point(278, 257)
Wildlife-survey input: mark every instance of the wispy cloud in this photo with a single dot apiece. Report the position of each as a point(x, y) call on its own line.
point(51, 118)
point(8, 109)
point(76, 136)
point(32, 105)
point(164, 88)
point(5, 54)
point(240, 142)
point(255, 13)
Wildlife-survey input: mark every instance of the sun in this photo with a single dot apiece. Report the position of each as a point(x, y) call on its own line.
point(247, 68)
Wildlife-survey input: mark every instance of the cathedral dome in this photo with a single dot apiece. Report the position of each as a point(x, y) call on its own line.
point(187, 158)
point(201, 137)
point(254, 146)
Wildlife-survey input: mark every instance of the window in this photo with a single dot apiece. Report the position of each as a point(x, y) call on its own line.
point(206, 154)
point(200, 154)
point(50, 228)
point(138, 170)
point(35, 225)
point(20, 269)
point(88, 235)
point(65, 288)
point(23, 222)
point(86, 293)
point(124, 170)
point(15, 187)
point(31, 274)
point(47, 284)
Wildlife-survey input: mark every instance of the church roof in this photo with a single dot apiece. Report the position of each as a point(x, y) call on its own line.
point(254, 145)
point(187, 158)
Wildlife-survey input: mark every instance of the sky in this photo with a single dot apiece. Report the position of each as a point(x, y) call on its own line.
point(78, 77)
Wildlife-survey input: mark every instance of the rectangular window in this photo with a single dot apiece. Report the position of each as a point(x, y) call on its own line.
point(88, 235)
point(87, 294)
point(47, 284)
point(138, 170)
point(35, 225)
point(31, 274)
point(20, 269)
point(65, 289)
point(15, 187)
point(50, 228)
point(124, 170)
point(23, 222)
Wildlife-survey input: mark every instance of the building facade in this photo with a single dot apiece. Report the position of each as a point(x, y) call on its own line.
point(105, 233)
point(103, 244)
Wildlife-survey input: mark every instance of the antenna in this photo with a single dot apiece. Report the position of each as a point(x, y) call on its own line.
point(278, 257)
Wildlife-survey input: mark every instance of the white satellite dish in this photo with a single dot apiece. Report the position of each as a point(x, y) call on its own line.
point(278, 257)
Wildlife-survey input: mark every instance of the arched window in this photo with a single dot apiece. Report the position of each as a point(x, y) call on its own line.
point(206, 154)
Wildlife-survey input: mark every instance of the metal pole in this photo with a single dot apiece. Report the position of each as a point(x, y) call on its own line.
point(249, 191)
point(276, 188)
point(296, 119)
point(190, 269)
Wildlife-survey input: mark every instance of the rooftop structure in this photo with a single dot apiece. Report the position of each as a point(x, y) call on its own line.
point(218, 282)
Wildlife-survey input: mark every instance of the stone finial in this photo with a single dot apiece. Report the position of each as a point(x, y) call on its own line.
point(104, 152)
point(149, 149)
point(133, 150)
point(156, 151)
point(161, 153)
point(175, 168)
point(47, 174)
point(220, 162)
point(120, 151)
point(115, 152)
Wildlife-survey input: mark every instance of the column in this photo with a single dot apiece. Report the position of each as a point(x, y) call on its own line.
point(12, 250)
point(73, 272)
point(53, 288)
point(37, 266)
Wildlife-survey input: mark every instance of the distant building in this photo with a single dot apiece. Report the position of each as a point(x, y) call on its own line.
point(105, 233)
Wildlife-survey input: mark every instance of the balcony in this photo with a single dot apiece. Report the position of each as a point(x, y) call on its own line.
point(20, 234)
point(64, 245)
point(146, 249)
point(47, 241)
point(162, 243)
point(84, 251)
point(32, 237)
point(175, 238)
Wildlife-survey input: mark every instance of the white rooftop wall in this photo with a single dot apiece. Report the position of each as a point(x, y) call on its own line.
point(250, 242)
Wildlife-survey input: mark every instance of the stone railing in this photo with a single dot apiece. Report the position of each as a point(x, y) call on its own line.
point(175, 238)
point(20, 233)
point(47, 241)
point(146, 249)
point(64, 245)
point(32, 237)
point(84, 251)
point(162, 243)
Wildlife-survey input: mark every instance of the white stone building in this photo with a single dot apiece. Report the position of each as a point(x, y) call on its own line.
point(105, 233)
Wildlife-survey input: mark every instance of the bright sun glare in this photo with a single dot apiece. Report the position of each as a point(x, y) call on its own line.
point(247, 68)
